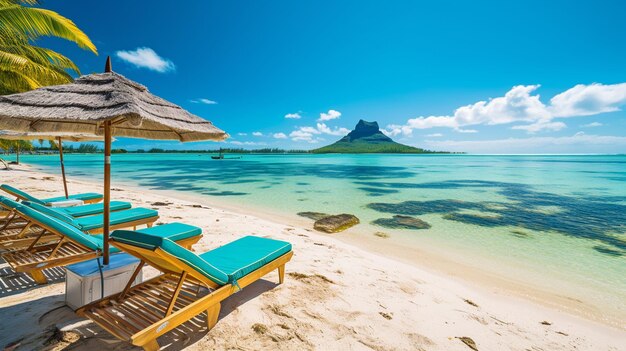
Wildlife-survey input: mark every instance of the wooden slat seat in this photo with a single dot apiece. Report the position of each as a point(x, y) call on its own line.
point(188, 287)
point(10, 240)
point(73, 246)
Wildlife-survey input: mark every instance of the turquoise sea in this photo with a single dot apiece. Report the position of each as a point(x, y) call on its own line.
point(556, 224)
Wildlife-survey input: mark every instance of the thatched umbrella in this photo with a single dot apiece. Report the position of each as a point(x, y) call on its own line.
point(52, 136)
point(103, 104)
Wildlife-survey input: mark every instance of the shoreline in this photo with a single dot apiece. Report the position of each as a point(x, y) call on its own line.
point(428, 283)
point(425, 257)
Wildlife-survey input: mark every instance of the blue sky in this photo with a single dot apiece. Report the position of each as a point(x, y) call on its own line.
point(421, 69)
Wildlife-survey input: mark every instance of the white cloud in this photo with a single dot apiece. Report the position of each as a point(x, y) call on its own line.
point(146, 58)
point(395, 129)
point(467, 131)
point(293, 115)
point(308, 133)
point(541, 126)
point(242, 134)
point(578, 143)
point(324, 129)
point(587, 100)
point(520, 105)
point(257, 134)
point(300, 135)
point(434, 135)
point(592, 124)
point(280, 136)
point(331, 114)
point(249, 143)
point(203, 101)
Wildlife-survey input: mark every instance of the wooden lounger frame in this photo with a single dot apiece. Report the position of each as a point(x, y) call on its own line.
point(29, 231)
point(18, 232)
point(19, 197)
point(142, 313)
point(149, 222)
point(6, 216)
point(35, 258)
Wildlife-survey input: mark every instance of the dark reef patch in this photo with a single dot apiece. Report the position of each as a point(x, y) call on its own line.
point(378, 191)
point(313, 215)
point(609, 251)
point(226, 193)
point(520, 234)
point(401, 222)
point(588, 217)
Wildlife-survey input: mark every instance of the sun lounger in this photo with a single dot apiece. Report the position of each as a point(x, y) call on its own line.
point(24, 196)
point(190, 284)
point(17, 231)
point(19, 236)
point(75, 246)
point(11, 224)
point(92, 209)
point(130, 218)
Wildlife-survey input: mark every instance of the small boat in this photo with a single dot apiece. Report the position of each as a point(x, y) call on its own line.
point(221, 157)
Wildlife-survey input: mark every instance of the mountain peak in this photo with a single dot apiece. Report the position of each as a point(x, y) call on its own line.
point(365, 129)
point(367, 138)
point(365, 124)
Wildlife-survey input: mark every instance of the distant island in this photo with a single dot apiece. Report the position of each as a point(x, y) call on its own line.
point(367, 138)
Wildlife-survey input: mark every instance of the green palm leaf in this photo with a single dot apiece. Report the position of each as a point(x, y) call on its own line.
point(24, 66)
point(35, 22)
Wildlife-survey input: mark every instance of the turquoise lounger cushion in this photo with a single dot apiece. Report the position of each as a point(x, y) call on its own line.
point(92, 209)
point(28, 197)
point(223, 265)
point(174, 231)
point(119, 217)
point(152, 242)
point(49, 211)
point(20, 193)
point(83, 196)
point(100, 238)
point(245, 255)
point(61, 227)
point(8, 203)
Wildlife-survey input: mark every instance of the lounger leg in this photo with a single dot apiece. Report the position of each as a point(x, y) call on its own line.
point(39, 277)
point(149, 225)
point(212, 313)
point(281, 274)
point(151, 345)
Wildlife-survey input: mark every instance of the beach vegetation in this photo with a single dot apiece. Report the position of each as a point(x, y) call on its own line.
point(15, 146)
point(24, 66)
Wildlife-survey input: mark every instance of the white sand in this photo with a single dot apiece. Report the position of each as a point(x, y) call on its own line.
point(335, 297)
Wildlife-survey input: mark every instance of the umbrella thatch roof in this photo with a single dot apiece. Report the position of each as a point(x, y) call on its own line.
point(83, 106)
point(49, 136)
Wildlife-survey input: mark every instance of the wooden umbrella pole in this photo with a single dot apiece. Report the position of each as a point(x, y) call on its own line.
point(107, 188)
point(60, 141)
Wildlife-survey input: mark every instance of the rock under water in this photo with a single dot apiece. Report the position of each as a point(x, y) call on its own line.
point(401, 222)
point(313, 215)
point(336, 223)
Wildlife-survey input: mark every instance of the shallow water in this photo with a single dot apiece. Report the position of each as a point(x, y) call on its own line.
point(557, 222)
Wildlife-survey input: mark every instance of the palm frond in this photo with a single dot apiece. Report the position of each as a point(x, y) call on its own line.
point(36, 22)
point(15, 82)
point(9, 60)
